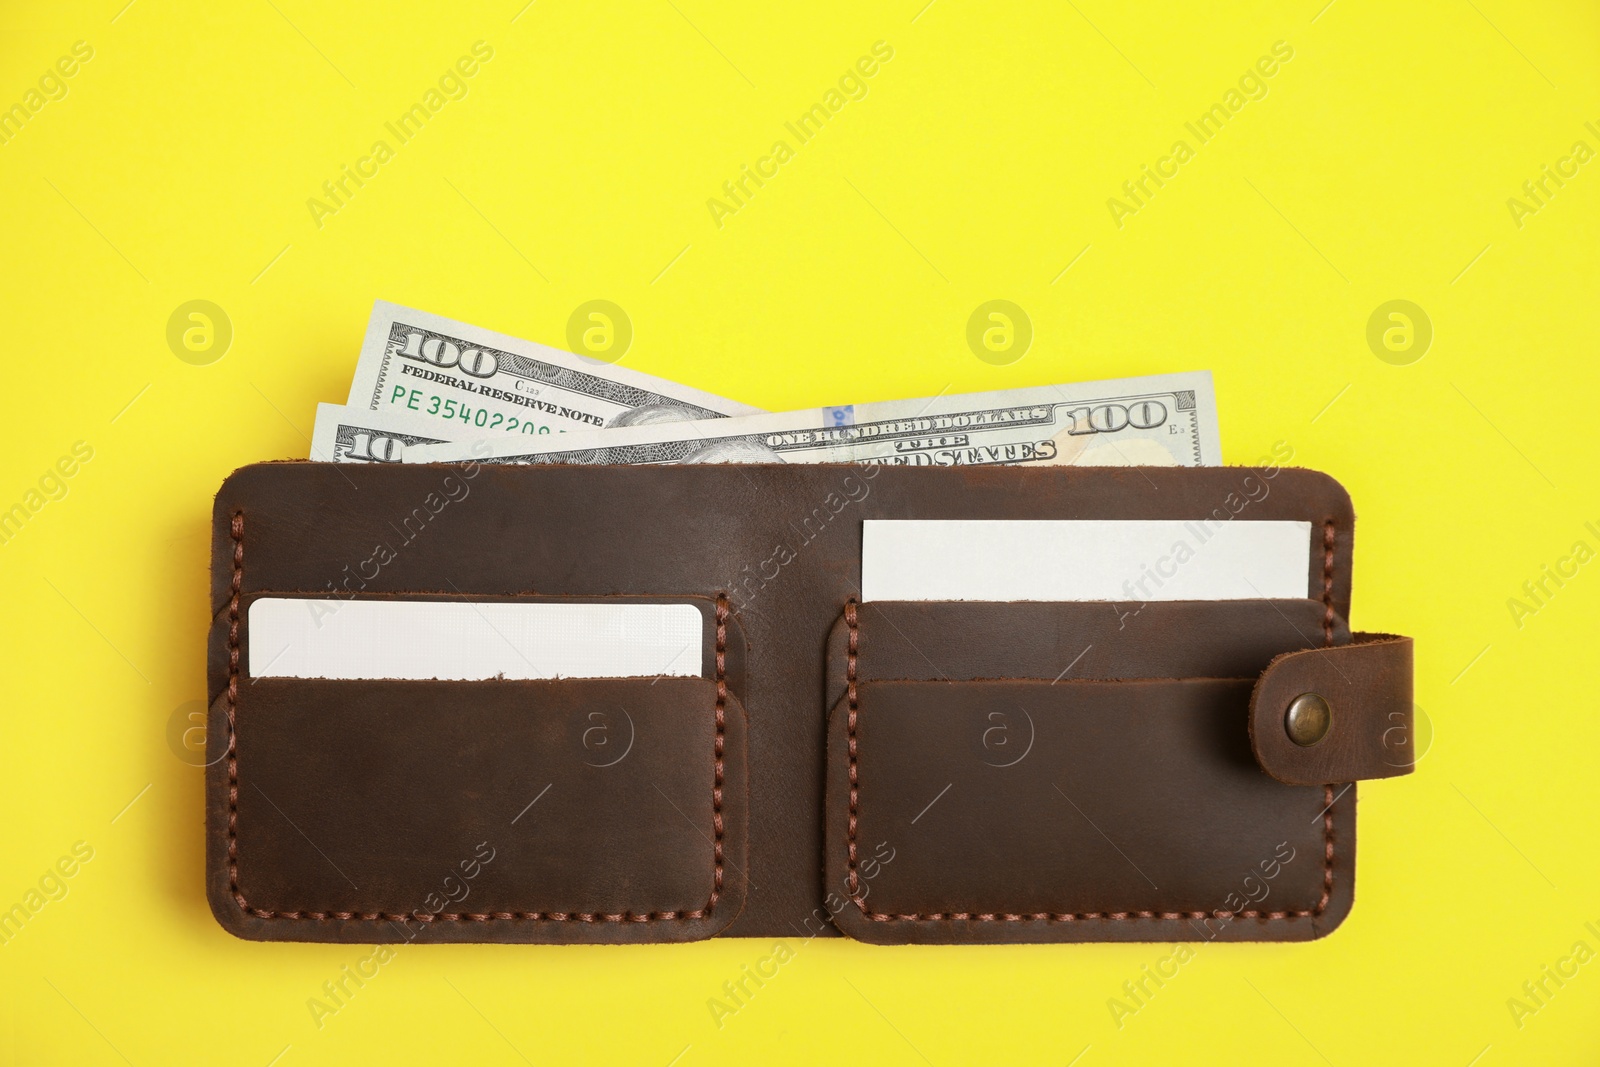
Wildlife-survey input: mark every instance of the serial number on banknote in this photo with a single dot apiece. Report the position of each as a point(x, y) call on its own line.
point(412, 399)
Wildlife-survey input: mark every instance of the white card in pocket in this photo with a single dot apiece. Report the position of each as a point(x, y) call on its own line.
point(468, 640)
point(1123, 560)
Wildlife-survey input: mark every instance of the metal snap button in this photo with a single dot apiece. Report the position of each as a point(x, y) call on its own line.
point(1307, 719)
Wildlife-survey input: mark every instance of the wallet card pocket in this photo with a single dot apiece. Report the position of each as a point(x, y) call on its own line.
point(991, 778)
point(534, 810)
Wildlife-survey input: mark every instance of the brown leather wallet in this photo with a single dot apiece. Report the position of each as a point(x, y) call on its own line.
point(895, 771)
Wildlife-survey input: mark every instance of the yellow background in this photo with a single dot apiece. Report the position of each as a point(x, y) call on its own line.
point(578, 166)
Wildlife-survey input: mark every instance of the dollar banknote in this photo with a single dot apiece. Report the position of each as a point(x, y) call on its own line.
point(471, 382)
point(344, 434)
point(1163, 420)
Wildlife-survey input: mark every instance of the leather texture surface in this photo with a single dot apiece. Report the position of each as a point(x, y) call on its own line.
point(781, 545)
point(955, 641)
point(452, 811)
point(1111, 796)
point(1368, 688)
point(1126, 810)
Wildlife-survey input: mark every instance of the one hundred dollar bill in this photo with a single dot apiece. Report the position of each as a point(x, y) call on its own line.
point(1163, 420)
point(344, 434)
point(478, 382)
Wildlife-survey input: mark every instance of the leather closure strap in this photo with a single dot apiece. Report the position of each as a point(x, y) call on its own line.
point(1367, 729)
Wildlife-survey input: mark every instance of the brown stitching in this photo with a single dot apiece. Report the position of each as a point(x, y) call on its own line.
point(853, 881)
point(1327, 849)
point(716, 782)
point(236, 529)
